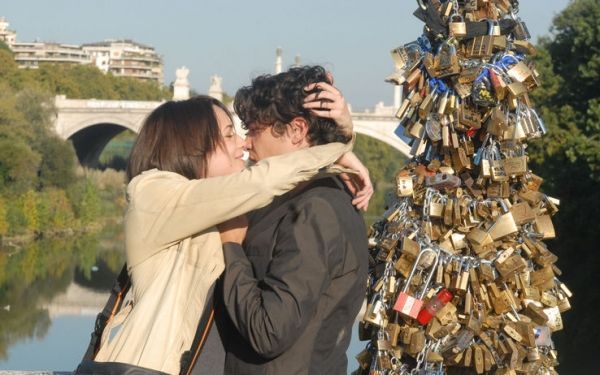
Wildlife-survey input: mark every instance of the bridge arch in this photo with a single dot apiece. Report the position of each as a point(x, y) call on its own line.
point(94, 120)
point(90, 140)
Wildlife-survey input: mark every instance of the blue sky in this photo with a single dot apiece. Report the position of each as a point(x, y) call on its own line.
point(237, 39)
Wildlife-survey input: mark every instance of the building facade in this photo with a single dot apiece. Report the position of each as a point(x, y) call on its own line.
point(122, 58)
point(7, 35)
point(30, 55)
point(126, 58)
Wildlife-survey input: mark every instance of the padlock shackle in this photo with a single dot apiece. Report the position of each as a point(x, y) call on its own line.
point(414, 268)
point(422, 4)
point(490, 27)
point(446, 43)
point(453, 16)
point(430, 276)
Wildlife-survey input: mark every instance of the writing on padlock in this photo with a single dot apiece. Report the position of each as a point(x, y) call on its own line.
point(375, 312)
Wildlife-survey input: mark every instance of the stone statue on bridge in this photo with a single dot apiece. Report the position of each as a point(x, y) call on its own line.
point(181, 87)
point(215, 90)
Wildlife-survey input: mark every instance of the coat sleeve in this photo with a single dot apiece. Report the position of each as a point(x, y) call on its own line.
point(178, 208)
point(273, 313)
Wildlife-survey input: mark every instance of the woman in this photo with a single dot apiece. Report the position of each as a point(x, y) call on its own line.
point(186, 176)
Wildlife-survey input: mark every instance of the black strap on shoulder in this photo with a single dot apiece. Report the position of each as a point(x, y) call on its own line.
point(190, 357)
point(113, 305)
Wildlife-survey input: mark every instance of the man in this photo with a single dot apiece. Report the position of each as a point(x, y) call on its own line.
point(293, 291)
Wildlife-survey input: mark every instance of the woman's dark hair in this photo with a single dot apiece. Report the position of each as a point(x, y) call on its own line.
point(274, 100)
point(178, 137)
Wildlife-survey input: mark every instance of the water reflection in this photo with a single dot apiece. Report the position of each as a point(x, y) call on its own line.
point(50, 293)
point(53, 277)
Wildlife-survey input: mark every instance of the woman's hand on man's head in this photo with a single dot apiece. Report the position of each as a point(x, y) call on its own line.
point(328, 102)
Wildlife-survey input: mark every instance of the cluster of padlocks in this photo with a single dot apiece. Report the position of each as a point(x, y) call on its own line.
point(461, 280)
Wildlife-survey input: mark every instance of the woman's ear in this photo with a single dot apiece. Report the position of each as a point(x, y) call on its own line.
point(298, 130)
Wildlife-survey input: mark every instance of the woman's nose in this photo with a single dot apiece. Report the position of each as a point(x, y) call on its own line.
point(239, 141)
point(248, 143)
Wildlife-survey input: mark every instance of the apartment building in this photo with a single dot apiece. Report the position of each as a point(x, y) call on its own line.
point(123, 58)
point(126, 58)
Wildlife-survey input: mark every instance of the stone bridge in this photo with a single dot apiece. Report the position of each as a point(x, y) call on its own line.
point(91, 124)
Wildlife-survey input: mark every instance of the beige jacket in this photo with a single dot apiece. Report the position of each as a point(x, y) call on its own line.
point(174, 250)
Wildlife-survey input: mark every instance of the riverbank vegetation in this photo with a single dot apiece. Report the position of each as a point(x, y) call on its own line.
point(42, 189)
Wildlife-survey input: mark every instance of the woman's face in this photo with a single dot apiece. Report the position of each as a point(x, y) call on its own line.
point(227, 158)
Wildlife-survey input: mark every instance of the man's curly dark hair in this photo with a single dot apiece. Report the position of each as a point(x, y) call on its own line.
point(274, 100)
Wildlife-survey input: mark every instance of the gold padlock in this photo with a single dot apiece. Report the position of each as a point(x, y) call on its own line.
point(410, 247)
point(516, 166)
point(436, 208)
point(364, 359)
point(503, 226)
point(544, 226)
point(415, 130)
point(555, 322)
point(404, 186)
point(457, 27)
point(417, 342)
point(375, 312)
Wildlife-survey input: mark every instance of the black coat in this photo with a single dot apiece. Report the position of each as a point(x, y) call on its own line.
point(294, 290)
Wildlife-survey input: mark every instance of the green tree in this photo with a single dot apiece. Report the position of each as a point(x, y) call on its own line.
point(3, 218)
point(88, 202)
point(61, 210)
point(57, 167)
point(55, 79)
point(9, 71)
point(37, 110)
point(4, 47)
point(92, 82)
point(383, 162)
point(128, 88)
point(13, 123)
point(18, 165)
point(568, 158)
point(30, 210)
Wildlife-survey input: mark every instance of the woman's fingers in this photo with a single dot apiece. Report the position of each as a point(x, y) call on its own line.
point(329, 77)
point(349, 182)
point(324, 86)
point(361, 188)
point(328, 102)
point(362, 203)
point(324, 113)
point(320, 95)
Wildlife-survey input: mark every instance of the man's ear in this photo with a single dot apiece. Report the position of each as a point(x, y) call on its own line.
point(298, 130)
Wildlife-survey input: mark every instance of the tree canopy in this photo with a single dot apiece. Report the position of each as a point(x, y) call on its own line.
point(568, 158)
point(36, 166)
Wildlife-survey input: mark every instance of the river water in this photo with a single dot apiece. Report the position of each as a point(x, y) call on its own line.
point(50, 293)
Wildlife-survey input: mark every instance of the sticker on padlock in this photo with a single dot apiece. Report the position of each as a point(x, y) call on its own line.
point(375, 312)
point(406, 304)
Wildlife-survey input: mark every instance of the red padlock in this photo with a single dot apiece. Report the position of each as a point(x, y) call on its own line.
point(406, 304)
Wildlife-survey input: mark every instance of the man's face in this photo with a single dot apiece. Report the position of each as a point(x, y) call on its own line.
point(263, 142)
